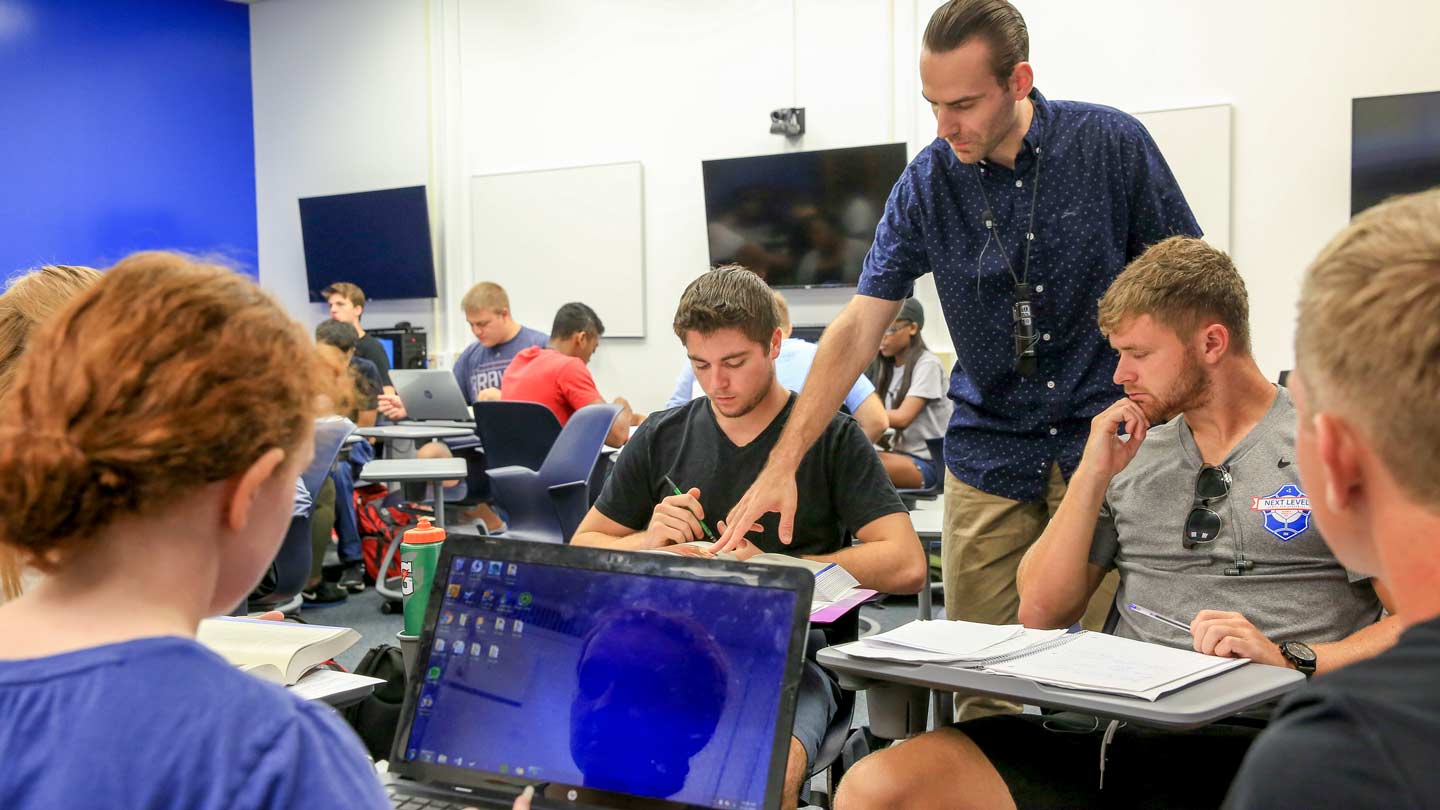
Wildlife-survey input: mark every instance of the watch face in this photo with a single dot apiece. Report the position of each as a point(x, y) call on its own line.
point(1299, 651)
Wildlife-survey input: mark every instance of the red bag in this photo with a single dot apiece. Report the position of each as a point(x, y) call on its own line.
point(379, 525)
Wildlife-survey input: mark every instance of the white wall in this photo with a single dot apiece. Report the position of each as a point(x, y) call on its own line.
point(341, 91)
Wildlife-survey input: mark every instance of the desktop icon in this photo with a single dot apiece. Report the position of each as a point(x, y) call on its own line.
point(458, 647)
point(427, 756)
point(518, 626)
point(453, 590)
point(477, 567)
point(487, 597)
point(467, 596)
point(410, 754)
point(504, 768)
point(499, 624)
point(447, 617)
point(440, 645)
point(496, 567)
point(494, 651)
point(425, 703)
point(512, 569)
point(432, 674)
point(519, 771)
point(441, 759)
point(459, 565)
point(526, 599)
point(464, 619)
point(475, 648)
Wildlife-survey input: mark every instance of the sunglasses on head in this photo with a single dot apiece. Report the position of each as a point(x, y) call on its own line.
point(1203, 524)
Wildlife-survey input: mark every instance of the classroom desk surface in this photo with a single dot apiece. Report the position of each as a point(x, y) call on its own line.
point(1197, 705)
point(417, 430)
point(928, 522)
point(413, 469)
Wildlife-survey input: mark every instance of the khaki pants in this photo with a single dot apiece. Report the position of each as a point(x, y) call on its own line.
point(985, 537)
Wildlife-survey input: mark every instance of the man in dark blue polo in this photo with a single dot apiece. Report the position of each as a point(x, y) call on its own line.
point(1025, 210)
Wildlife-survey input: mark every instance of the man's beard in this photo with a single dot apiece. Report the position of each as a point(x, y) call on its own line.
point(749, 405)
point(1191, 390)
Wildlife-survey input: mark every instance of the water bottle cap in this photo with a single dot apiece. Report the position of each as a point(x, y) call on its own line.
point(424, 532)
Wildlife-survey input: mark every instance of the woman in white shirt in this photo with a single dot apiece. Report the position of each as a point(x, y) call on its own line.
point(911, 381)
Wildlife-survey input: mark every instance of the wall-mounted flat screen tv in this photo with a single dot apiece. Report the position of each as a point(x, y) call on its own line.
point(1394, 147)
point(800, 219)
point(379, 240)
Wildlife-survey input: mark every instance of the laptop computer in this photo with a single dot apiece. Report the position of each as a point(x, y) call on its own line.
point(607, 678)
point(430, 393)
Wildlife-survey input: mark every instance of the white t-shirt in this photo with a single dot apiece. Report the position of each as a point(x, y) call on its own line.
point(928, 383)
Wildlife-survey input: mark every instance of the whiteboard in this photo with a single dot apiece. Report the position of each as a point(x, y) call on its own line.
point(1196, 144)
point(559, 235)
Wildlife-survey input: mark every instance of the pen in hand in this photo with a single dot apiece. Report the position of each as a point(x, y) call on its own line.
point(709, 535)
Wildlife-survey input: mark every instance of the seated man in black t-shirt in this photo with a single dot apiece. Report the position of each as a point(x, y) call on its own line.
point(713, 446)
point(1365, 389)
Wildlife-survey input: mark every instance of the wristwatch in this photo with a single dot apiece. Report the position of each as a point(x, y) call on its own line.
point(1300, 655)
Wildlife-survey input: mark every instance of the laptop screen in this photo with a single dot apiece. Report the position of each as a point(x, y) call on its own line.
point(647, 685)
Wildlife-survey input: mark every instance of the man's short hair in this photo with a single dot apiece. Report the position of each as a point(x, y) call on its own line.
point(728, 297)
point(1368, 340)
point(782, 310)
point(339, 334)
point(485, 295)
point(995, 21)
point(1183, 284)
point(573, 318)
point(352, 293)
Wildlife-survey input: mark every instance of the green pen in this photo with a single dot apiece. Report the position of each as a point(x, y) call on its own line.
point(709, 535)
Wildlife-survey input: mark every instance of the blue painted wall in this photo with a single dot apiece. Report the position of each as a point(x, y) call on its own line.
point(124, 125)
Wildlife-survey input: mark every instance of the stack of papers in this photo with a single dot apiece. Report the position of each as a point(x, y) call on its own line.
point(1092, 662)
point(947, 642)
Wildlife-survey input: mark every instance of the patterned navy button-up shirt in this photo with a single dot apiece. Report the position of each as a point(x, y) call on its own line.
point(1105, 195)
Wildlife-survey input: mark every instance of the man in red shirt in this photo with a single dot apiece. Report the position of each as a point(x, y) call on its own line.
point(557, 376)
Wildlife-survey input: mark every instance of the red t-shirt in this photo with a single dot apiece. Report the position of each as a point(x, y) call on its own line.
point(558, 381)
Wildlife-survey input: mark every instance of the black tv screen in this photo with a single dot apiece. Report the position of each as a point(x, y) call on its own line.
point(800, 219)
point(379, 240)
point(1394, 147)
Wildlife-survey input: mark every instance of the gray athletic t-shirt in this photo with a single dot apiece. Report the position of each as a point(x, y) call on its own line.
point(1297, 590)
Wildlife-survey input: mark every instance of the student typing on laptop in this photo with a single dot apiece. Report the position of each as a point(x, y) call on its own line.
point(1207, 521)
point(480, 368)
point(727, 323)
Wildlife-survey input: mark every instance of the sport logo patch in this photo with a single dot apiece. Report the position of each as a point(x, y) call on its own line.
point(1286, 512)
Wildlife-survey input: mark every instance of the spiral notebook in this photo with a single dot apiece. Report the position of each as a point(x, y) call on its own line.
point(1092, 662)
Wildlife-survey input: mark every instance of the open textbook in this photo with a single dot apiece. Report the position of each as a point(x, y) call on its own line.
point(834, 586)
point(281, 652)
point(1093, 662)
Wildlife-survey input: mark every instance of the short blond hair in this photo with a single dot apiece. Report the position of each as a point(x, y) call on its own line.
point(1183, 283)
point(1368, 338)
point(485, 295)
point(782, 310)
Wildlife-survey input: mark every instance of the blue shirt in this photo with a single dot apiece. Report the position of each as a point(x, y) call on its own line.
point(480, 366)
point(1105, 195)
point(791, 369)
point(164, 723)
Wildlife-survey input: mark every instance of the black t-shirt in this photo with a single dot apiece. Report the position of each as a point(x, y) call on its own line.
point(1364, 736)
point(841, 484)
point(370, 349)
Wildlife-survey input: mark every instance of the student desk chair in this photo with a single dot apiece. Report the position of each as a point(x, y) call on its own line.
point(547, 505)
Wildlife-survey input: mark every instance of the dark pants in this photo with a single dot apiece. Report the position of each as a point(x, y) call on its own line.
point(1054, 761)
point(322, 520)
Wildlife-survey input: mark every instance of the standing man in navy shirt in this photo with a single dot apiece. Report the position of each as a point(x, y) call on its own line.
point(1025, 210)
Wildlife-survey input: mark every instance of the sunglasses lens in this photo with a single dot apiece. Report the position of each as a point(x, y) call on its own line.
point(1212, 483)
point(1202, 526)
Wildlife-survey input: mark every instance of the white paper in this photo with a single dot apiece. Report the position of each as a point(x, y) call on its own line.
point(956, 638)
point(320, 683)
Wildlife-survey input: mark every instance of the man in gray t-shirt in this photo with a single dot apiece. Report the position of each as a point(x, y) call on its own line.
point(1206, 520)
point(1267, 561)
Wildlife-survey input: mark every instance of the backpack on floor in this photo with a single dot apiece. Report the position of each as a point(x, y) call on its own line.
point(377, 716)
point(376, 531)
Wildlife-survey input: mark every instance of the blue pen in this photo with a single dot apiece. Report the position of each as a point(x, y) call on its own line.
point(1157, 617)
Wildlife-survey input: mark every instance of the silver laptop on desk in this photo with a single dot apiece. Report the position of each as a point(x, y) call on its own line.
point(607, 679)
point(431, 394)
